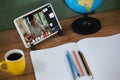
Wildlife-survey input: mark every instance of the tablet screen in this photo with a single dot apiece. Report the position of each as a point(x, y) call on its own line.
point(37, 25)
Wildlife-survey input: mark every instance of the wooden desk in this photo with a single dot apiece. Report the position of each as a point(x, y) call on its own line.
point(9, 40)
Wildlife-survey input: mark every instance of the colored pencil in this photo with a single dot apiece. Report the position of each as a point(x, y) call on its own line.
point(78, 63)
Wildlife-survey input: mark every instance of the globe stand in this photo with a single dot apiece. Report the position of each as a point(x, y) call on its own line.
point(86, 25)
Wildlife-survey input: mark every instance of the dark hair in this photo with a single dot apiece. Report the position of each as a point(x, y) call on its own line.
point(30, 17)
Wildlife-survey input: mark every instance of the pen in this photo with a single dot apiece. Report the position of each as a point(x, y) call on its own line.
point(73, 66)
point(85, 63)
point(78, 63)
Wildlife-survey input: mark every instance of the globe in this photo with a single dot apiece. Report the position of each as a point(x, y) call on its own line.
point(83, 6)
point(85, 25)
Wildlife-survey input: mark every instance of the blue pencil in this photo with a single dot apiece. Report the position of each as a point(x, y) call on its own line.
point(73, 66)
point(73, 74)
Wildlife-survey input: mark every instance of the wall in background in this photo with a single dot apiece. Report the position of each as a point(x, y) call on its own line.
point(11, 9)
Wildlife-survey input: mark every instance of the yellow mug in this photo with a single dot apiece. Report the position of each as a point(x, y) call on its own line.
point(14, 62)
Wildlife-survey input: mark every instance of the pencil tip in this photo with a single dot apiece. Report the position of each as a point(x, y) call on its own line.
point(78, 74)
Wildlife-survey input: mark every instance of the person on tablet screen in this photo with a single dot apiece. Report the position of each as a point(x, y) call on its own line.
point(35, 28)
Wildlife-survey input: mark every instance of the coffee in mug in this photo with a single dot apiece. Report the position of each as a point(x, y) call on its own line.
point(14, 61)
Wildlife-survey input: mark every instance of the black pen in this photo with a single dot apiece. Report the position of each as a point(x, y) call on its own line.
point(85, 63)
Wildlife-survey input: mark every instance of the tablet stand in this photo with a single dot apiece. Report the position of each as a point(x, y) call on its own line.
point(60, 32)
point(33, 47)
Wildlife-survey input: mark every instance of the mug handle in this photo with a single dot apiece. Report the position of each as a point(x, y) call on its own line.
point(1, 68)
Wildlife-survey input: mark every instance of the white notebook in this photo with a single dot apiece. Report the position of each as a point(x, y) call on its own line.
point(101, 53)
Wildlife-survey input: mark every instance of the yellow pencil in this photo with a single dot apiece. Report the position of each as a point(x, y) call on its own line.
point(85, 64)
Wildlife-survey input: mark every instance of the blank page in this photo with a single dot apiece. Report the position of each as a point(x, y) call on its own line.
point(103, 56)
point(51, 64)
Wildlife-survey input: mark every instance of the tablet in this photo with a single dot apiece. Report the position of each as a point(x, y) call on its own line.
point(37, 25)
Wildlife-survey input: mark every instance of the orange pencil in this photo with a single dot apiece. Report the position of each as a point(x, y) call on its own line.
point(78, 64)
